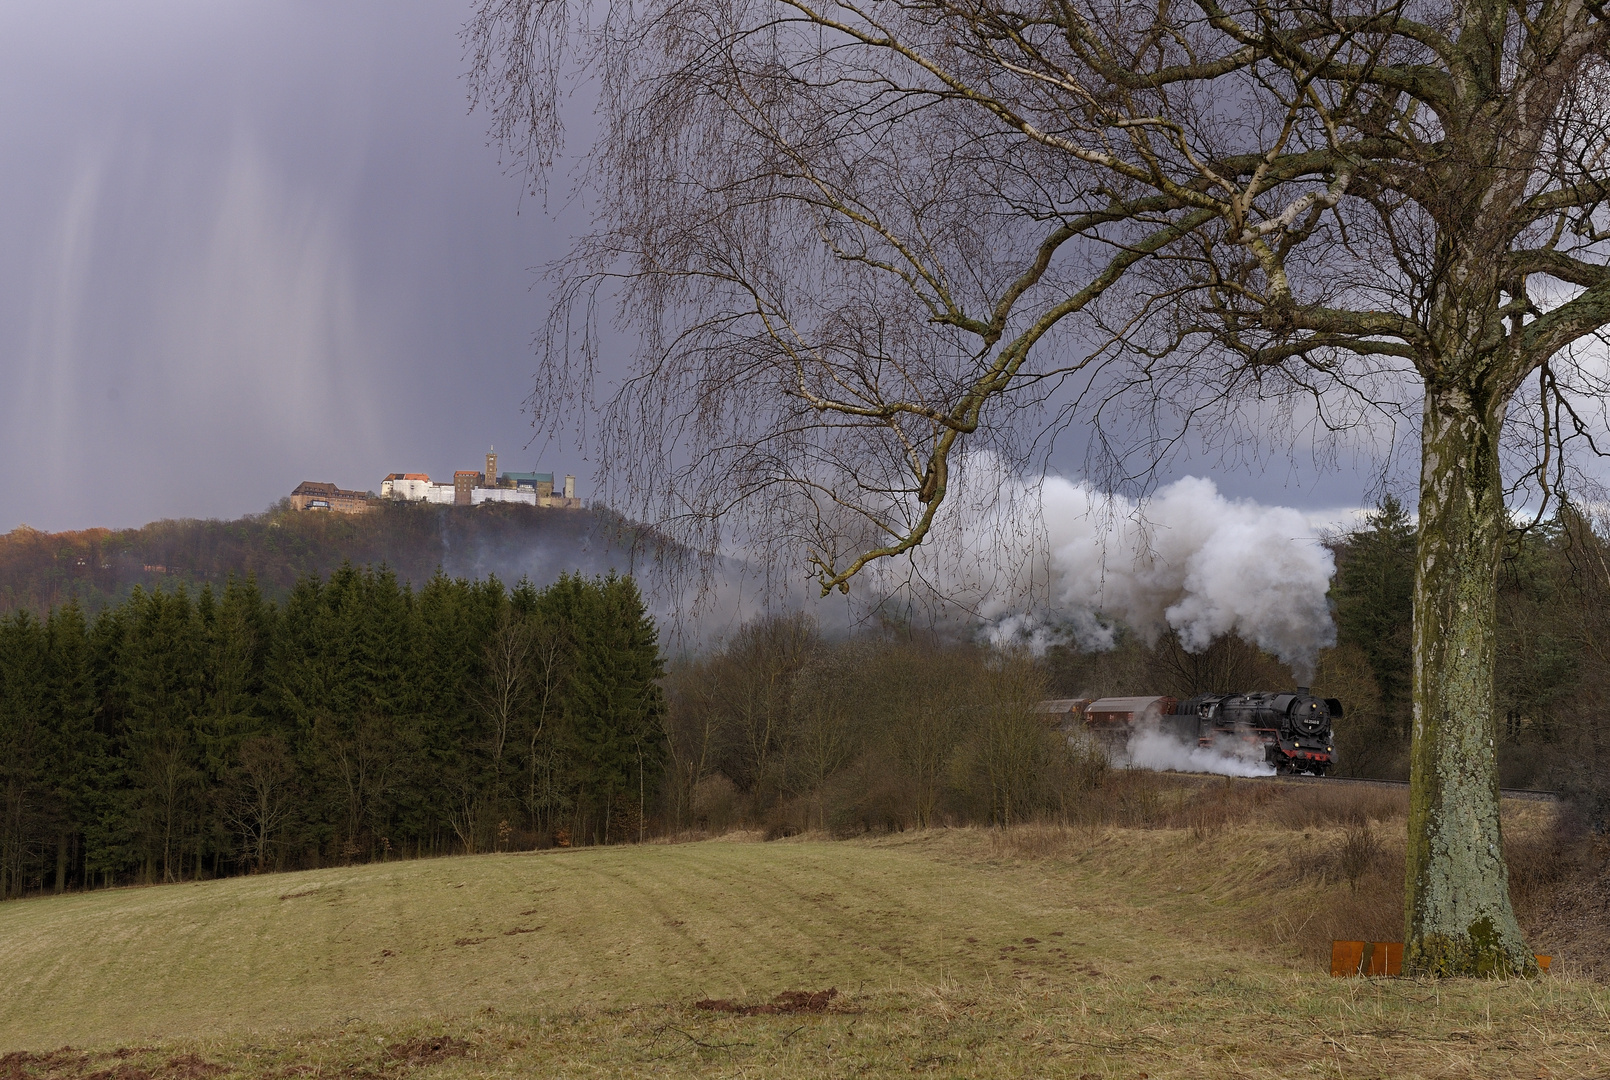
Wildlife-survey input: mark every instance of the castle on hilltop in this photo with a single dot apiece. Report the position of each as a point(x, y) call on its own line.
point(469, 488)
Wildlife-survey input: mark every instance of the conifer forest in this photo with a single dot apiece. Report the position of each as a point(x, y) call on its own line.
point(179, 735)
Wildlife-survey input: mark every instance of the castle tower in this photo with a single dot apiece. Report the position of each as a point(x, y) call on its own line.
point(492, 467)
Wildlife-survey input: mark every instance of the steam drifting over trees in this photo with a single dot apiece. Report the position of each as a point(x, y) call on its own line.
point(857, 238)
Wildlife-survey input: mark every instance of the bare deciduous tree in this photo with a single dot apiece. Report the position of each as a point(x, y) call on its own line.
point(261, 803)
point(511, 668)
point(1016, 742)
point(695, 731)
point(546, 651)
point(361, 755)
point(827, 732)
point(756, 691)
point(859, 237)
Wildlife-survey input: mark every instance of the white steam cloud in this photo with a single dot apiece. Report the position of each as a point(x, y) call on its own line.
point(1050, 557)
point(1193, 561)
point(1155, 750)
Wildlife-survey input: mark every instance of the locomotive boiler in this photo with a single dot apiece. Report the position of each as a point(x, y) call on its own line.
point(1293, 730)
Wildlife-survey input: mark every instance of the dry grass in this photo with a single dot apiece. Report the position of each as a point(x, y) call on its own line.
point(1344, 857)
point(1239, 1023)
point(1079, 950)
point(1136, 798)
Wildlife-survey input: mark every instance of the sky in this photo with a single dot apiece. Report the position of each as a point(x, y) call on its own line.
point(246, 244)
point(249, 244)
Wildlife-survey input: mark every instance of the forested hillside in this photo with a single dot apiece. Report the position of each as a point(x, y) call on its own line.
point(98, 567)
point(180, 735)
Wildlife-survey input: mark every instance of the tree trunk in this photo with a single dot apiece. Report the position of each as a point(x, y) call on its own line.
point(1459, 920)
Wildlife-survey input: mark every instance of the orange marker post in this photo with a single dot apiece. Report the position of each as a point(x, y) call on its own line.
point(1380, 958)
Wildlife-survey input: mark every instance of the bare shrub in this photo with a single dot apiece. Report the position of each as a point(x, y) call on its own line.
point(1035, 840)
point(869, 797)
point(784, 818)
point(1322, 805)
point(1129, 797)
point(1317, 909)
point(715, 803)
point(1558, 877)
point(1357, 852)
point(1205, 819)
point(1138, 798)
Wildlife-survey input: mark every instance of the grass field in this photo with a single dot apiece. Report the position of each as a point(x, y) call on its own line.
point(1039, 951)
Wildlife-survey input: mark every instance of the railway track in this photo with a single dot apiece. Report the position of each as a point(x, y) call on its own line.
point(1507, 793)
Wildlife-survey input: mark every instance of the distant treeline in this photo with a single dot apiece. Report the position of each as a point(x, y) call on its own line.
point(784, 730)
point(178, 735)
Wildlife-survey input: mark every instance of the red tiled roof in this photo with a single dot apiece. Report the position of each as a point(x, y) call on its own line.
point(327, 491)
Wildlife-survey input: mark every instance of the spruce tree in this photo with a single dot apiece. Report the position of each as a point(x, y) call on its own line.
point(163, 673)
point(25, 790)
point(1374, 595)
point(78, 752)
point(611, 700)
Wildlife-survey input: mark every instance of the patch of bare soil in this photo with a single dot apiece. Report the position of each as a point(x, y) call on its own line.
point(70, 1064)
point(789, 1001)
point(67, 1062)
point(192, 1067)
point(428, 1051)
point(21, 1065)
point(124, 1071)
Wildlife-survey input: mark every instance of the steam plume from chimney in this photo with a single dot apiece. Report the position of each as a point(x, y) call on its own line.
point(1039, 558)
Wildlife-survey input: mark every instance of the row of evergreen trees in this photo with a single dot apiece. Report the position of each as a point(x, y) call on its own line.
point(175, 736)
point(1553, 650)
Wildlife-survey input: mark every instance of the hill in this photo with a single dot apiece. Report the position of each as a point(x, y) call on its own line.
point(1041, 950)
point(98, 567)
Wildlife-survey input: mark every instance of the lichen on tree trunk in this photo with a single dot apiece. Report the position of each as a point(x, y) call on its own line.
point(1459, 919)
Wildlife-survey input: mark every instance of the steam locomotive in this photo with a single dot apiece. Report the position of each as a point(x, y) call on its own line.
point(1293, 729)
point(1290, 731)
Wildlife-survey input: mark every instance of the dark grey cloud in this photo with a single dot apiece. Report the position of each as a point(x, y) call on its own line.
point(248, 244)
